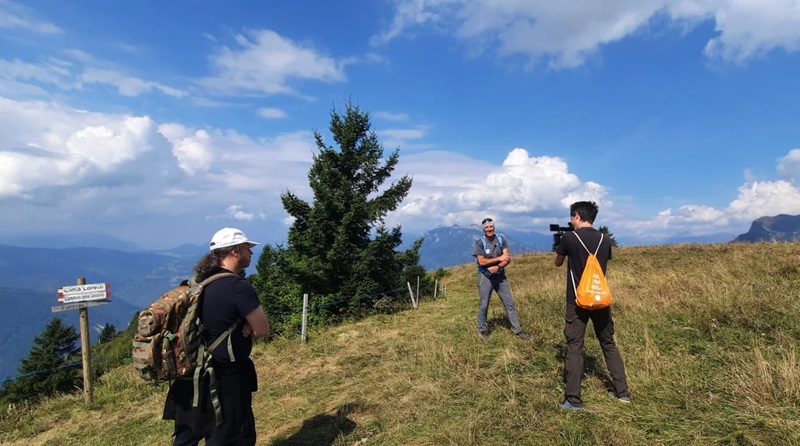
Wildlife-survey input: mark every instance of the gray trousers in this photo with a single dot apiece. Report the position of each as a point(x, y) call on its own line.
point(574, 331)
point(498, 283)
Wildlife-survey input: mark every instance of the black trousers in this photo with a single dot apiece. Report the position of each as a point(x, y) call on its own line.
point(574, 331)
point(194, 424)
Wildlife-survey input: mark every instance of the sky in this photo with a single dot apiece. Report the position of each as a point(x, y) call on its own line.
point(161, 122)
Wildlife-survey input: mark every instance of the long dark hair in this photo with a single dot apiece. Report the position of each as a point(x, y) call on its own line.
point(210, 263)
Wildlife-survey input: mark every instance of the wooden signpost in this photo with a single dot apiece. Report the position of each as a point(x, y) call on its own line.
point(81, 297)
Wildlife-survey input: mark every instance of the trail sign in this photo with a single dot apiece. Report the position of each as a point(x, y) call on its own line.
point(83, 293)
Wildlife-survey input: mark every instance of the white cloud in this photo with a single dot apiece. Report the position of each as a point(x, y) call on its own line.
point(235, 211)
point(55, 146)
point(565, 34)
point(263, 62)
point(192, 150)
point(271, 113)
point(389, 116)
point(758, 199)
point(48, 73)
point(789, 165)
point(18, 17)
point(63, 168)
point(751, 28)
point(522, 189)
point(127, 85)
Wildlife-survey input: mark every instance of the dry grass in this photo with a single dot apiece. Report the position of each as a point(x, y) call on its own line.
point(709, 334)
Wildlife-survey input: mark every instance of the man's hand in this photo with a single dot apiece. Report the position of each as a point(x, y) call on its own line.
point(247, 331)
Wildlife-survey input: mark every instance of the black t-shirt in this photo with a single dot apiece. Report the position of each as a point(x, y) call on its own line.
point(226, 301)
point(576, 254)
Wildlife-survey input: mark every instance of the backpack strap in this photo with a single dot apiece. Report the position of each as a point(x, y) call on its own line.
point(483, 240)
point(205, 360)
point(205, 366)
point(584, 246)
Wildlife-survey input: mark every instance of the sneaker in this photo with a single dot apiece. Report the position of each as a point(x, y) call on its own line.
point(484, 335)
point(566, 405)
point(623, 399)
point(524, 336)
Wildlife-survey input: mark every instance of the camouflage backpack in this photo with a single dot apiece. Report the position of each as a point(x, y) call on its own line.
point(168, 344)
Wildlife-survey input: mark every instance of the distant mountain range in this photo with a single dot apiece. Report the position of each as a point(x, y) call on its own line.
point(30, 275)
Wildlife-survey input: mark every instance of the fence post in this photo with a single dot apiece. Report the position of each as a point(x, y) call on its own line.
point(417, 290)
point(435, 288)
point(305, 319)
point(411, 292)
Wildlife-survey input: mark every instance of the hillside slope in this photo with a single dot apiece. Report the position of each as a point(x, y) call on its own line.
point(709, 334)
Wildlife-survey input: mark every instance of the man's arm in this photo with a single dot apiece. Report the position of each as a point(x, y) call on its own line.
point(505, 258)
point(494, 264)
point(559, 259)
point(257, 324)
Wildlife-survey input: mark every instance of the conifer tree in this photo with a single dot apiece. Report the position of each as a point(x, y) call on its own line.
point(107, 334)
point(43, 373)
point(338, 246)
point(605, 230)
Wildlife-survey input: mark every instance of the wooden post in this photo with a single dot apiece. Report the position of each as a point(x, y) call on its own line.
point(305, 319)
point(417, 290)
point(85, 350)
point(435, 288)
point(411, 292)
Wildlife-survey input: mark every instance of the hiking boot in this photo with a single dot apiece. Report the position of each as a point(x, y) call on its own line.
point(484, 335)
point(623, 399)
point(566, 405)
point(524, 336)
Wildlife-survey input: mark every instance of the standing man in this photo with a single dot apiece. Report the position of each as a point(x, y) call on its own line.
point(582, 215)
point(492, 254)
point(226, 301)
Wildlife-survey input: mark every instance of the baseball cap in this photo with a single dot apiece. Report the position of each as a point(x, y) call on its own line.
point(226, 237)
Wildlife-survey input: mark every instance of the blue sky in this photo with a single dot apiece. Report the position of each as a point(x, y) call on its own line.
point(160, 122)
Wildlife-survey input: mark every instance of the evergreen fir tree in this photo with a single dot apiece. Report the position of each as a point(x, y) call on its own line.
point(604, 230)
point(338, 246)
point(44, 372)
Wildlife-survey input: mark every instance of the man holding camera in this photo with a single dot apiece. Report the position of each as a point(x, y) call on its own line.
point(492, 254)
point(582, 215)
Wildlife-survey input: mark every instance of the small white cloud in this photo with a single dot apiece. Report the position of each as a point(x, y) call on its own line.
point(127, 85)
point(235, 212)
point(271, 113)
point(16, 16)
point(388, 116)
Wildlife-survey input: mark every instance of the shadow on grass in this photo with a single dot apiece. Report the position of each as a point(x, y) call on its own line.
point(592, 365)
point(495, 321)
point(322, 429)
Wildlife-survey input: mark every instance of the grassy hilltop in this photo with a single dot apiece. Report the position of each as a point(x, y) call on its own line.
point(709, 334)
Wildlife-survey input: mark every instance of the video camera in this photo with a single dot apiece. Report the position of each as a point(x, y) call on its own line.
point(559, 231)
